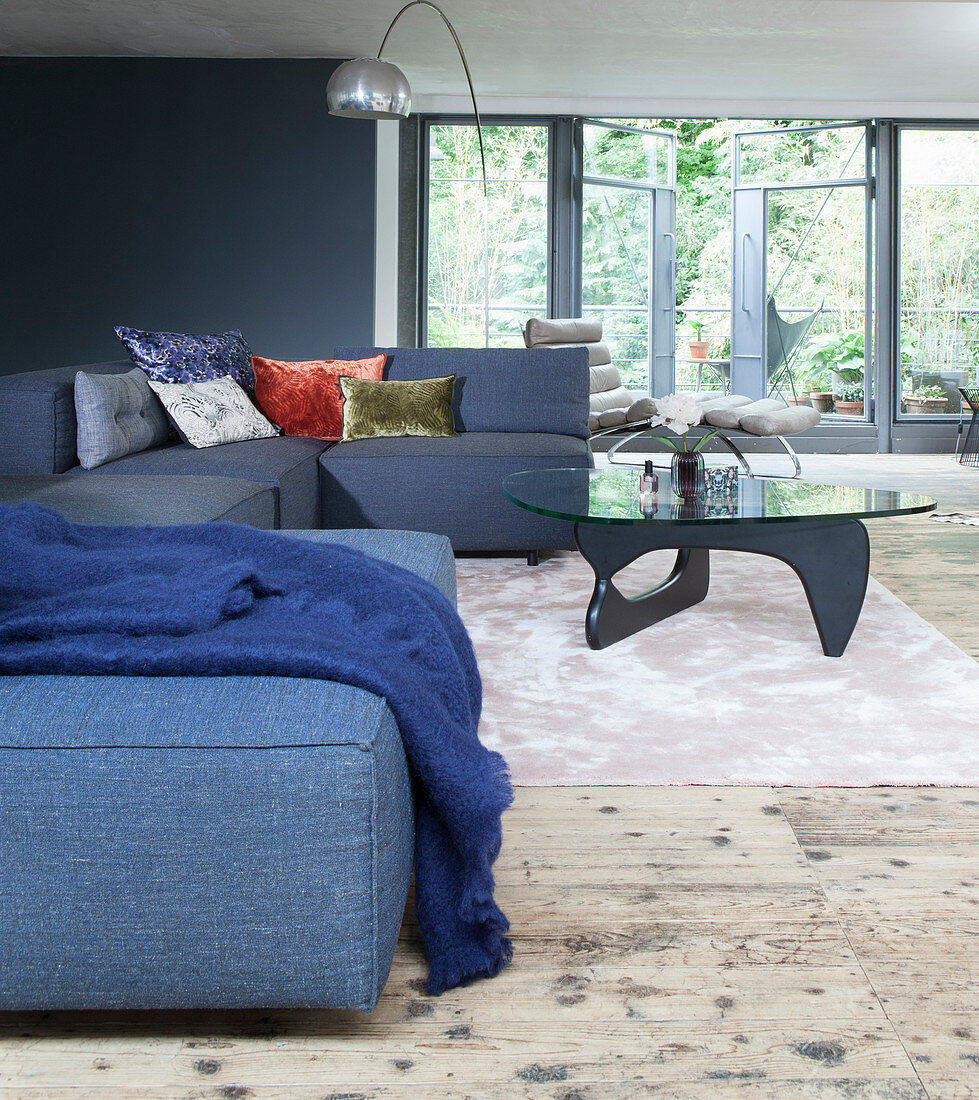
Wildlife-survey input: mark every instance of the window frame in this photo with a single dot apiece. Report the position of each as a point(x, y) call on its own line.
point(556, 203)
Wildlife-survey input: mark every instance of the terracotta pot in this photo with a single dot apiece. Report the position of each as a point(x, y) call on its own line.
point(699, 349)
point(803, 399)
point(821, 401)
point(849, 408)
point(920, 406)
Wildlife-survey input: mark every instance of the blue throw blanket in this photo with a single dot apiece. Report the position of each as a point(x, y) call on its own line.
point(220, 600)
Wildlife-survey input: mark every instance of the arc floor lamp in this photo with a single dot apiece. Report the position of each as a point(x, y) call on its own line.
point(368, 87)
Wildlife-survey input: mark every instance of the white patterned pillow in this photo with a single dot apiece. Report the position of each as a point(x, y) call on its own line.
point(212, 412)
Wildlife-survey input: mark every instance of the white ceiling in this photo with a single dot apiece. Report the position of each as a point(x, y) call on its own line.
point(790, 58)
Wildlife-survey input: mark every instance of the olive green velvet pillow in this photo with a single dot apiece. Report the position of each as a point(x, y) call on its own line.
point(419, 407)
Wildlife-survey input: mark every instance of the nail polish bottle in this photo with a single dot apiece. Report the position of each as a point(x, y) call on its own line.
point(648, 481)
point(648, 487)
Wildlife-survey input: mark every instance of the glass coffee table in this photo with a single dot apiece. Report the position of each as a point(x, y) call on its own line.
point(816, 529)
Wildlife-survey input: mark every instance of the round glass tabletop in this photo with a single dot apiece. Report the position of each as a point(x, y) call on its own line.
point(612, 496)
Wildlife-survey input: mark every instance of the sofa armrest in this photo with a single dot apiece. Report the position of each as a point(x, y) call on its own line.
point(37, 418)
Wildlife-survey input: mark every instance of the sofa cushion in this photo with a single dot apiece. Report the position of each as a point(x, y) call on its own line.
point(598, 353)
point(117, 415)
point(189, 357)
point(303, 397)
point(209, 413)
point(288, 465)
point(449, 486)
point(332, 769)
point(145, 500)
point(781, 422)
point(374, 409)
point(501, 389)
point(428, 555)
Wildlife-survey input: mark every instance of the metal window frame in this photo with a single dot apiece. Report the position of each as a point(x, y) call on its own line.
point(558, 225)
point(736, 181)
point(671, 148)
point(923, 425)
point(658, 381)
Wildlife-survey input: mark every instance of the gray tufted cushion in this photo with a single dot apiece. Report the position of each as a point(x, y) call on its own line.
point(118, 415)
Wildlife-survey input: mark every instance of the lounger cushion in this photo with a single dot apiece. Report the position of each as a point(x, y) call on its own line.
point(642, 409)
point(561, 330)
point(733, 401)
point(620, 398)
point(598, 353)
point(603, 377)
point(784, 422)
point(610, 418)
point(731, 418)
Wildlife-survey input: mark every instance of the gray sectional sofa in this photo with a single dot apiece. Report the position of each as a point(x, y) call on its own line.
point(514, 410)
point(196, 842)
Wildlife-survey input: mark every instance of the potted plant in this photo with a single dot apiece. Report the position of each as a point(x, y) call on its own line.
point(928, 400)
point(698, 345)
point(835, 359)
point(816, 380)
point(849, 399)
point(800, 397)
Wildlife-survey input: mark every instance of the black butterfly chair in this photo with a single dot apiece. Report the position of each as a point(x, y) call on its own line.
point(782, 345)
point(970, 448)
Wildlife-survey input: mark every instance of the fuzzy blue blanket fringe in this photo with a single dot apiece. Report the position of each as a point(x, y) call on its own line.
point(220, 600)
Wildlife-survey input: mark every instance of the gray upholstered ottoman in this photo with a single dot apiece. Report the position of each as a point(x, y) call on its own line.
point(205, 842)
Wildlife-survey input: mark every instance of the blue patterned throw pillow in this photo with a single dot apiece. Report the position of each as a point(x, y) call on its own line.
point(184, 357)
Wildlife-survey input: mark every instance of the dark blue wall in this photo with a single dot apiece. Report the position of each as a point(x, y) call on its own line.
point(189, 195)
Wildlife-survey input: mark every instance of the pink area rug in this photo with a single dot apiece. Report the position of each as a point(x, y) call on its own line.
point(733, 691)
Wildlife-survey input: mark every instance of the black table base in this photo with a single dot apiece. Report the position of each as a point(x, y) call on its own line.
point(831, 559)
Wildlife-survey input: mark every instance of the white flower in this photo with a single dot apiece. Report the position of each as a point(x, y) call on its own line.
point(677, 411)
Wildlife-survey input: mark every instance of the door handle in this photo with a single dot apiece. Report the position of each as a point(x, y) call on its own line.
point(672, 237)
point(745, 237)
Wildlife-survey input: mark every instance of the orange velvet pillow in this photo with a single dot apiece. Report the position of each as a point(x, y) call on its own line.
point(303, 398)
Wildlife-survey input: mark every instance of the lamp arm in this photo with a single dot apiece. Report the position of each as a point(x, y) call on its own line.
point(465, 64)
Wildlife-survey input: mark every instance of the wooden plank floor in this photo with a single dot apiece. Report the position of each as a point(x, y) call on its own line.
point(677, 943)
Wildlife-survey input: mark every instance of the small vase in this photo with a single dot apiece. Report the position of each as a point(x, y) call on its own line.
point(687, 473)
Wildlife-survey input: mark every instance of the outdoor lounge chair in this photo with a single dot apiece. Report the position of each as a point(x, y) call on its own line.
point(770, 418)
point(782, 345)
point(614, 410)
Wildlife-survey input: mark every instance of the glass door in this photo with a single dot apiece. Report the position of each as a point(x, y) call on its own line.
point(939, 268)
point(801, 325)
point(628, 248)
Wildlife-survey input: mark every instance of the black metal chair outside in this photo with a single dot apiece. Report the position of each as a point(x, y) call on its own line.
point(783, 340)
point(970, 448)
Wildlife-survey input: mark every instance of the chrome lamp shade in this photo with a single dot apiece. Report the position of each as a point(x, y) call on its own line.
point(368, 87)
